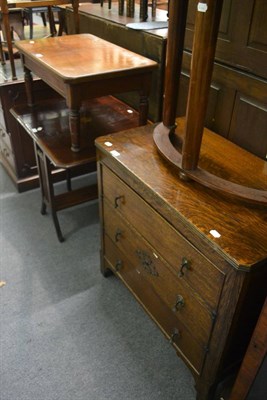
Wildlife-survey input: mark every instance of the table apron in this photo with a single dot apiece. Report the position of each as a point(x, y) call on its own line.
point(47, 75)
point(78, 92)
point(75, 91)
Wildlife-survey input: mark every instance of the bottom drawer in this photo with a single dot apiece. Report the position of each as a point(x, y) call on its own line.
point(191, 352)
point(7, 154)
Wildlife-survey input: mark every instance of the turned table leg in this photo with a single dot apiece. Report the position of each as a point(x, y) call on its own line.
point(29, 86)
point(143, 109)
point(74, 123)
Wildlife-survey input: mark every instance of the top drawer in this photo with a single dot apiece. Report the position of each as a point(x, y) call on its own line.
point(187, 262)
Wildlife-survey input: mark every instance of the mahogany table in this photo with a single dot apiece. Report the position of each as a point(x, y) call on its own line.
point(81, 67)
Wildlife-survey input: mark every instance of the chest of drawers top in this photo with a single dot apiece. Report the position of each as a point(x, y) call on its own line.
point(217, 225)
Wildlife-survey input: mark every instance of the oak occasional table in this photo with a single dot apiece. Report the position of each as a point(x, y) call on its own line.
point(82, 67)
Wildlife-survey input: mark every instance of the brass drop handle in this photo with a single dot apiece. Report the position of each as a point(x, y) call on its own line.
point(118, 235)
point(186, 264)
point(118, 265)
point(117, 201)
point(175, 335)
point(179, 303)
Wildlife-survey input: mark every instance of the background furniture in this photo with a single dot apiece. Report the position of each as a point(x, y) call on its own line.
point(7, 4)
point(193, 258)
point(43, 11)
point(129, 7)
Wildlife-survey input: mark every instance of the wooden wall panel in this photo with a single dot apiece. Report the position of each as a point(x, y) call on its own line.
point(249, 125)
point(242, 40)
point(257, 37)
point(220, 105)
point(238, 96)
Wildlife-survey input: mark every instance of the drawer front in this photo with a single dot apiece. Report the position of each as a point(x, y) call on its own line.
point(180, 337)
point(175, 293)
point(7, 154)
point(187, 262)
point(5, 138)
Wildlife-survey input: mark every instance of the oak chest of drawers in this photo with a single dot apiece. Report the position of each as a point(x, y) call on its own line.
point(197, 262)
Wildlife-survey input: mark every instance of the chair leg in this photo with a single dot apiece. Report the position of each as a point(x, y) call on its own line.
point(31, 23)
point(51, 19)
point(62, 22)
point(6, 29)
point(43, 18)
point(2, 55)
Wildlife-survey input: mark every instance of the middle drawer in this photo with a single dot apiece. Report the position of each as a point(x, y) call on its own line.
point(175, 293)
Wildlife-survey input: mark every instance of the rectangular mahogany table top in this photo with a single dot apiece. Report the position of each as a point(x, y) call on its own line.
point(83, 57)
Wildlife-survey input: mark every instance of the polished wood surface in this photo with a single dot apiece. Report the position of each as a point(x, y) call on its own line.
point(242, 227)
point(217, 181)
point(93, 59)
point(47, 124)
point(96, 68)
point(195, 260)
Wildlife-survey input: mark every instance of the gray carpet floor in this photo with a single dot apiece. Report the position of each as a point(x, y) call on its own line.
point(68, 333)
